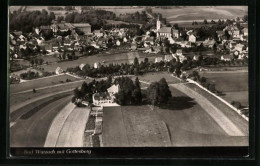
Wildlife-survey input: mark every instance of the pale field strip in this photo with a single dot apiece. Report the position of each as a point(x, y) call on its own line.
point(224, 101)
point(236, 71)
point(224, 122)
point(57, 125)
point(42, 78)
point(72, 132)
point(72, 75)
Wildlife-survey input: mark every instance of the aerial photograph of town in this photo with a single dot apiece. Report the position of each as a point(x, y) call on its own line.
point(128, 76)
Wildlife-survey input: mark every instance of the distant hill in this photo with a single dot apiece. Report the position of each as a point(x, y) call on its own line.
point(190, 13)
point(173, 14)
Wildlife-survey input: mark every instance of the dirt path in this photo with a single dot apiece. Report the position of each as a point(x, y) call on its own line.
point(224, 122)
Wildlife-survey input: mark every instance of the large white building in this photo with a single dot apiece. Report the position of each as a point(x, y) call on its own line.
point(105, 97)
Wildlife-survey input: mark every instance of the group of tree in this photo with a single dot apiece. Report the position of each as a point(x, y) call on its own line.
point(205, 83)
point(70, 55)
point(36, 61)
point(118, 69)
point(55, 8)
point(129, 91)
point(137, 17)
point(96, 18)
point(158, 93)
point(69, 8)
point(26, 21)
point(29, 75)
point(29, 51)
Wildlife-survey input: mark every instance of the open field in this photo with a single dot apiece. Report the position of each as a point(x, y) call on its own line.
point(190, 125)
point(113, 129)
point(134, 126)
point(121, 9)
point(234, 85)
point(116, 58)
point(185, 122)
point(116, 22)
point(156, 76)
point(144, 128)
point(31, 108)
point(233, 116)
point(190, 13)
point(42, 82)
point(33, 8)
point(32, 132)
point(16, 99)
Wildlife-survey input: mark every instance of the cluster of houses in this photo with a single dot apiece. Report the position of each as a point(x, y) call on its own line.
point(66, 37)
point(237, 44)
point(78, 36)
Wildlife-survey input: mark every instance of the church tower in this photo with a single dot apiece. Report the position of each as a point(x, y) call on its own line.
point(158, 24)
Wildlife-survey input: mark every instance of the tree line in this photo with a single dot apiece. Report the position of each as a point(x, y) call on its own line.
point(158, 93)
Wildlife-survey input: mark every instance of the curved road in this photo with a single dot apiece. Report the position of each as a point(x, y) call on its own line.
point(32, 132)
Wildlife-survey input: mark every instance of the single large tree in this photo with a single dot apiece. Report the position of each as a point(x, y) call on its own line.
point(165, 93)
point(153, 93)
point(158, 93)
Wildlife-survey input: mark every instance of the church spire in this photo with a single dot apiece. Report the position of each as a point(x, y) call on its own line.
point(158, 24)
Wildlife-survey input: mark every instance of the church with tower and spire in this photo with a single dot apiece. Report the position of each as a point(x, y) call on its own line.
point(165, 32)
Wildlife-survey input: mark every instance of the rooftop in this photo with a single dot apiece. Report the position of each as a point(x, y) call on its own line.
point(165, 30)
point(78, 25)
point(102, 96)
point(113, 89)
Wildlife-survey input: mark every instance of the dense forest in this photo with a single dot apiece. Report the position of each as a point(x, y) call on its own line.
point(25, 21)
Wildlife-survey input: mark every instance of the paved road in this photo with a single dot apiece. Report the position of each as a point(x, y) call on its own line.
point(32, 132)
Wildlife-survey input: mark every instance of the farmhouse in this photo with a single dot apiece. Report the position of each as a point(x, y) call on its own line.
point(226, 57)
point(209, 43)
point(175, 33)
point(158, 59)
point(58, 70)
point(245, 31)
point(179, 52)
point(239, 47)
point(192, 38)
point(81, 66)
point(113, 89)
point(195, 57)
point(106, 97)
point(233, 31)
point(98, 33)
point(97, 65)
point(168, 58)
point(102, 98)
